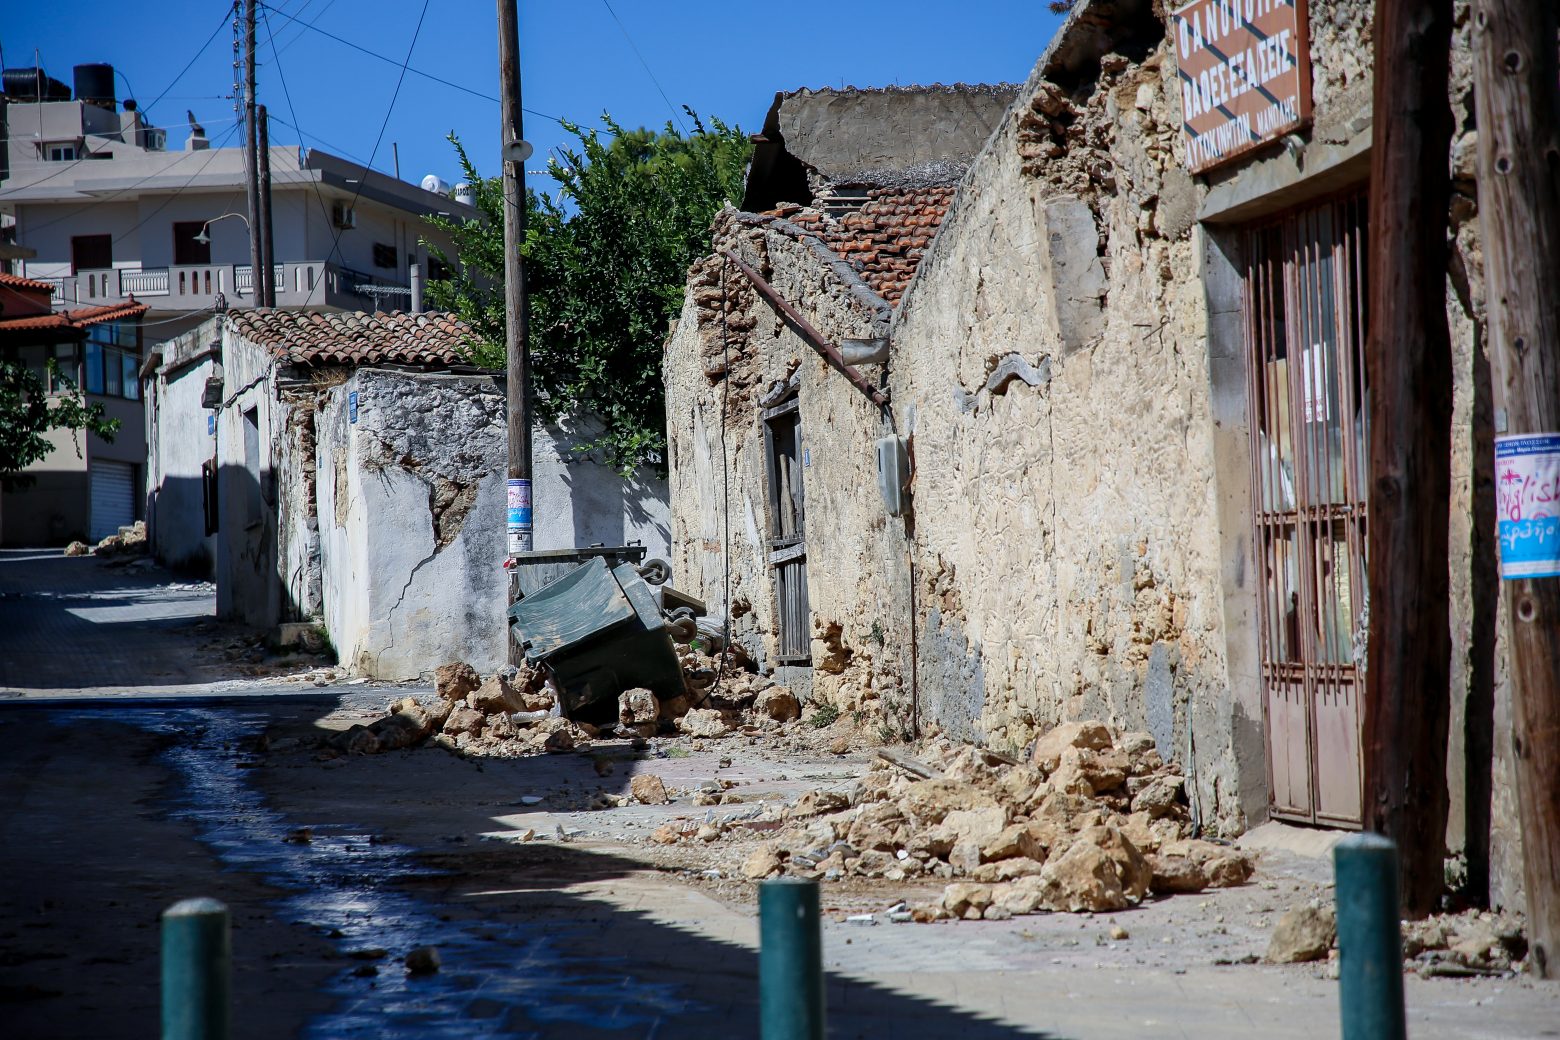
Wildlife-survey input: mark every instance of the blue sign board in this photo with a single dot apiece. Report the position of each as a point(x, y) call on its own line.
point(211, 424)
point(352, 407)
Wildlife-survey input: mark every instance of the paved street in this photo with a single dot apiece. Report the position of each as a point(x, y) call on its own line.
point(115, 807)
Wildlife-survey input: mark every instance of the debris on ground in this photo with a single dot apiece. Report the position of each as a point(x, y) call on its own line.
point(1303, 933)
point(129, 541)
point(1472, 942)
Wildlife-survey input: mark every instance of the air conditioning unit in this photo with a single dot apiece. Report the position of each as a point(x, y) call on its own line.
point(343, 216)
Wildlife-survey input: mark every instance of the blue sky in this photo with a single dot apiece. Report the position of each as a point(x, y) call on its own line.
point(723, 59)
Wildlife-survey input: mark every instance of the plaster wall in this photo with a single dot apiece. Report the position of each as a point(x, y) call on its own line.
point(178, 444)
point(247, 481)
point(411, 505)
point(577, 500)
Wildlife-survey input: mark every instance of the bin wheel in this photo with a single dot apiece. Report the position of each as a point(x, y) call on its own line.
point(682, 630)
point(656, 572)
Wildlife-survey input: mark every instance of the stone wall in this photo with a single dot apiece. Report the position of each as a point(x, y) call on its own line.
point(718, 376)
point(411, 517)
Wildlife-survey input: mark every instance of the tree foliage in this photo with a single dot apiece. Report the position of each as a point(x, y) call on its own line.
point(606, 260)
point(28, 412)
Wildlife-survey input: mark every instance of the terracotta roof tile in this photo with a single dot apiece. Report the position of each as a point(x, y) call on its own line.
point(432, 339)
point(16, 281)
point(77, 319)
point(887, 237)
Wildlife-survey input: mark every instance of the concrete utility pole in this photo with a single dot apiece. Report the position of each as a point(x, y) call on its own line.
point(267, 280)
point(1517, 94)
point(517, 361)
point(251, 171)
point(1409, 357)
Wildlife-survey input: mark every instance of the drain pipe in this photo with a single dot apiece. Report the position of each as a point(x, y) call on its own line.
point(417, 288)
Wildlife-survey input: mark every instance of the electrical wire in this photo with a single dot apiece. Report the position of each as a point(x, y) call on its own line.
point(405, 68)
point(676, 114)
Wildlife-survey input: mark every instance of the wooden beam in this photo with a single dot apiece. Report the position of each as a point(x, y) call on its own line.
point(1517, 96)
point(811, 336)
point(1409, 357)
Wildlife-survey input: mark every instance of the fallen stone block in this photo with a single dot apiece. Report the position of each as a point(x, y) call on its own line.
point(1091, 736)
point(454, 680)
point(648, 789)
point(1303, 933)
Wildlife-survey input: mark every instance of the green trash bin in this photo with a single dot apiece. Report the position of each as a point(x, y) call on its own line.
point(599, 631)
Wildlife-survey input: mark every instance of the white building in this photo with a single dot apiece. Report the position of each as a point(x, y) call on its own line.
point(110, 212)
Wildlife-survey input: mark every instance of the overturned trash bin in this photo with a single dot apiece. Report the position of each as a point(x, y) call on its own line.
point(598, 630)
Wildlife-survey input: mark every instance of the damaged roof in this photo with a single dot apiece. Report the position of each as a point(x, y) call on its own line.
point(885, 239)
point(434, 339)
point(870, 137)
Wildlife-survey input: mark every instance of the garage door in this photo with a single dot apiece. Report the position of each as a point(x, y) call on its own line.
point(113, 497)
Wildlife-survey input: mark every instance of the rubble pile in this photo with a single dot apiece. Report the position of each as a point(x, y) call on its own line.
point(514, 712)
point(130, 541)
point(1469, 943)
point(1089, 823)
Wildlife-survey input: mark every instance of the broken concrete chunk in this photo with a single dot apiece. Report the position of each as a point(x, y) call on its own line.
point(778, 703)
point(464, 720)
point(495, 695)
point(639, 711)
point(1091, 736)
point(1082, 878)
point(764, 862)
point(962, 896)
point(703, 722)
point(648, 789)
point(1176, 874)
point(1303, 933)
point(454, 680)
point(1132, 869)
point(1159, 797)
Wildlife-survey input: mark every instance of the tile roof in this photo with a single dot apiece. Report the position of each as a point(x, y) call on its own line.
point(431, 339)
point(16, 281)
point(76, 319)
point(886, 237)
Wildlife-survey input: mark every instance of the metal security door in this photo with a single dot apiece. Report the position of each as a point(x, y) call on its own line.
point(1305, 311)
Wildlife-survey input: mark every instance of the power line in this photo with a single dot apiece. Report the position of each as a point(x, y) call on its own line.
point(406, 68)
point(645, 65)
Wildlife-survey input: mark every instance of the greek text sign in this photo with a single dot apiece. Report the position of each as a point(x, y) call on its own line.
point(1527, 504)
point(1244, 68)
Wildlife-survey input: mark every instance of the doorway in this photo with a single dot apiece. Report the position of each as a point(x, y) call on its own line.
point(1305, 296)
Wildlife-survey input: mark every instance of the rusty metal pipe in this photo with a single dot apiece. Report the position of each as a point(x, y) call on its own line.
point(811, 336)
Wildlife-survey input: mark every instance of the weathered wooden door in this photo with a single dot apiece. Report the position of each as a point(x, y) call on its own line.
point(1305, 316)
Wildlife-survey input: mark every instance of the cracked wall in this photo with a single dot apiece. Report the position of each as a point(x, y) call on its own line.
point(412, 522)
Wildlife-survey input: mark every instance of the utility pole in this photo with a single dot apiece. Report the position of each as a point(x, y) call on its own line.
point(1517, 103)
point(518, 364)
point(267, 280)
point(251, 171)
point(1409, 357)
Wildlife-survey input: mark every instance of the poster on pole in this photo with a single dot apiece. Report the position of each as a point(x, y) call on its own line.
point(1527, 504)
point(519, 516)
point(1244, 69)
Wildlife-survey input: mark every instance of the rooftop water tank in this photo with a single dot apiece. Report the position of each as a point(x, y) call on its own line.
point(434, 183)
point(95, 84)
point(33, 85)
point(465, 194)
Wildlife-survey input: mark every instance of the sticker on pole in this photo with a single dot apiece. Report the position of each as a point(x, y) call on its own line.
point(519, 524)
point(1527, 501)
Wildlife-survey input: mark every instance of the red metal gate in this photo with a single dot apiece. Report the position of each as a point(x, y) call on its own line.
point(1305, 320)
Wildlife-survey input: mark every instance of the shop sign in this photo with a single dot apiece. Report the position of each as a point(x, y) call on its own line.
point(1244, 71)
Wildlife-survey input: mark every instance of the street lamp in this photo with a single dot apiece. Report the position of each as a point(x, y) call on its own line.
point(205, 239)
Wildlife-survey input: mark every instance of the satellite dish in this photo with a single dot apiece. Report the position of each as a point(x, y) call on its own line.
point(518, 151)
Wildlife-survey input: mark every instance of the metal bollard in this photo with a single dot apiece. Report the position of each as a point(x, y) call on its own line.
point(790, 961)
point(197, 961)
point(1370, 938)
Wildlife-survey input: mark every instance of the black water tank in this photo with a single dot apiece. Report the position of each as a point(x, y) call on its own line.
point(33, 85)
point(95, 83)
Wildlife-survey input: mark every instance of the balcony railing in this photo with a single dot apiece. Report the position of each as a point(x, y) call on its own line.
point(198, 287)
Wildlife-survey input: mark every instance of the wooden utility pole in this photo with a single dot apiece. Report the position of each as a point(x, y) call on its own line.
point(267, 279)
point(1409, 357)
point(1517, 98)
point(251, 168)
point(517, 361)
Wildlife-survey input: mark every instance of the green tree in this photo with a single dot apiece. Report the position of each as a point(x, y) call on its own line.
point(28, 412)
point(606, 263)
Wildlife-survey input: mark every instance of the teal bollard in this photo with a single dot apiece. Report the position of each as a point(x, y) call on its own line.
point(1370, 938)
point(790, 961)
point(197, 962)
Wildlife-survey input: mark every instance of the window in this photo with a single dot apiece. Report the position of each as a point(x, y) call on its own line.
point(59, 151)
point(113, 361)
point(91, 253)
point(438, 270)
point(784, 459)
point(186, 250)
point(385, 256)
